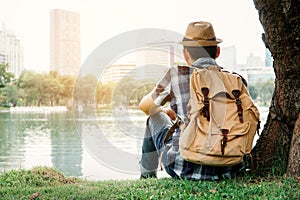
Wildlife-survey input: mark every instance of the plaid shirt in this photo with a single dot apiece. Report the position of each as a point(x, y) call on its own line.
point(175, 84)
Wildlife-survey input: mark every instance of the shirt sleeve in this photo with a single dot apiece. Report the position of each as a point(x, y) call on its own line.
point(162, 89)
point(157, 96)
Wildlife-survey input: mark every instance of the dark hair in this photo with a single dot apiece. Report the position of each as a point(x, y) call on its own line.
point(201, 51)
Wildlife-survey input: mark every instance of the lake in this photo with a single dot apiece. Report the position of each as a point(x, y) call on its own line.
point(97, 145)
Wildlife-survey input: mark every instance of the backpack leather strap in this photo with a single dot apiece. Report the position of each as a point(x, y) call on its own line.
point(236, 94)
point(205, 92)
point(172, 129)
point(224, 140)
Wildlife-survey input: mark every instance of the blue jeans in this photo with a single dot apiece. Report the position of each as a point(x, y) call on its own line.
point(153, 145)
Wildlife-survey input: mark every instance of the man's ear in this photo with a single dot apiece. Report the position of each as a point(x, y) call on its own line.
point(218, 51)
point(187, 56)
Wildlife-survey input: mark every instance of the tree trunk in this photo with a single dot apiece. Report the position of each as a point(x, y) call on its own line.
point(294, 161)
point(280, 20)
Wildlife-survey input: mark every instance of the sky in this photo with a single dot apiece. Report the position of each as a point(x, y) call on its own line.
point(234, 21)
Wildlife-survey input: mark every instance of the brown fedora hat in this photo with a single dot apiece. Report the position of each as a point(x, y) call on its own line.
point(200, 34)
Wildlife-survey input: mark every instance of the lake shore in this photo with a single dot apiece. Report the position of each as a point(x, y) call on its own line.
point(38, 109)
point(43, 138)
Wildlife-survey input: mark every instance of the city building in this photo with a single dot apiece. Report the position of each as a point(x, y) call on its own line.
point(2, 58)
point(259, 74)
point(142, 69)
point(149, 63)
point(227, 58)
point(65, 52)
point(257, 70)
point(154, 61)
point(11, 51)
point(116, 72)
point(254, 62)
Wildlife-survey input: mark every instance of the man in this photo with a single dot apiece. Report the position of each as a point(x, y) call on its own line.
point(200, 50)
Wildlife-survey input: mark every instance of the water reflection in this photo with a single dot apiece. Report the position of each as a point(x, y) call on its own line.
point(32, 139)
point(86, 144)
point(66, 146)
point(12, 141)
point(54, 139)
point(113, 141)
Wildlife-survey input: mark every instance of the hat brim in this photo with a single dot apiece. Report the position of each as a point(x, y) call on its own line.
point(203, 43)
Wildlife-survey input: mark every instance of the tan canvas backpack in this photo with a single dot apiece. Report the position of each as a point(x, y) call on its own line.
point(222, 119)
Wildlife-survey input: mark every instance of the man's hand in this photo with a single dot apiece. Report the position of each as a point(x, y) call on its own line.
point(170, 113)
point(155, 109)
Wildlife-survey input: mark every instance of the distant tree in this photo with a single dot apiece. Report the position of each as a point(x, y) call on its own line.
point(264, 90)
point(68, 87)
point(253, 91)
point(33, 88)
point(278, 150)
point(27, 86)
point(48, 89)
point(123, 91)
point(104, 93)
point(84, 90)
point(5, 76)
point(52, 87)
point(138, 93)
point(127, 91)
point(9, 96)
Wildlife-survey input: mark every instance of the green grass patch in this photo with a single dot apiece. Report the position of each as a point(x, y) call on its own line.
point(47, 183)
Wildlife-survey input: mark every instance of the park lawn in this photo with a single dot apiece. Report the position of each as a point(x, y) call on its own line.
point(47, 183)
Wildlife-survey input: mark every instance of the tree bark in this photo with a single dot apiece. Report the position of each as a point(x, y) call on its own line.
point(280, 20)
point(294, 161)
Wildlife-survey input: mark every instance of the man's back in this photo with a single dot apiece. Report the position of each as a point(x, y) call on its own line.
point(200, 50)
point(180, 80)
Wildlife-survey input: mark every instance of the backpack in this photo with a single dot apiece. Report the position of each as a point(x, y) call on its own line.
point(222, 119)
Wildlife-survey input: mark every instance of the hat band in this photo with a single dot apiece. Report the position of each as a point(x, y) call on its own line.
point(193, 43)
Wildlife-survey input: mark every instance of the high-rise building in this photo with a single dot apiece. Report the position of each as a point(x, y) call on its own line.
point(227, 58)
point(2, 57)
point(116, 72)
point(262, 74)
point(254, 61)
point(255, 70)
point(155, 60)
point(11, 51)
point(65, 56)
point(150, 63)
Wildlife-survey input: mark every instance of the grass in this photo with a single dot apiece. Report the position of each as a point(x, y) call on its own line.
point(47, 183)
